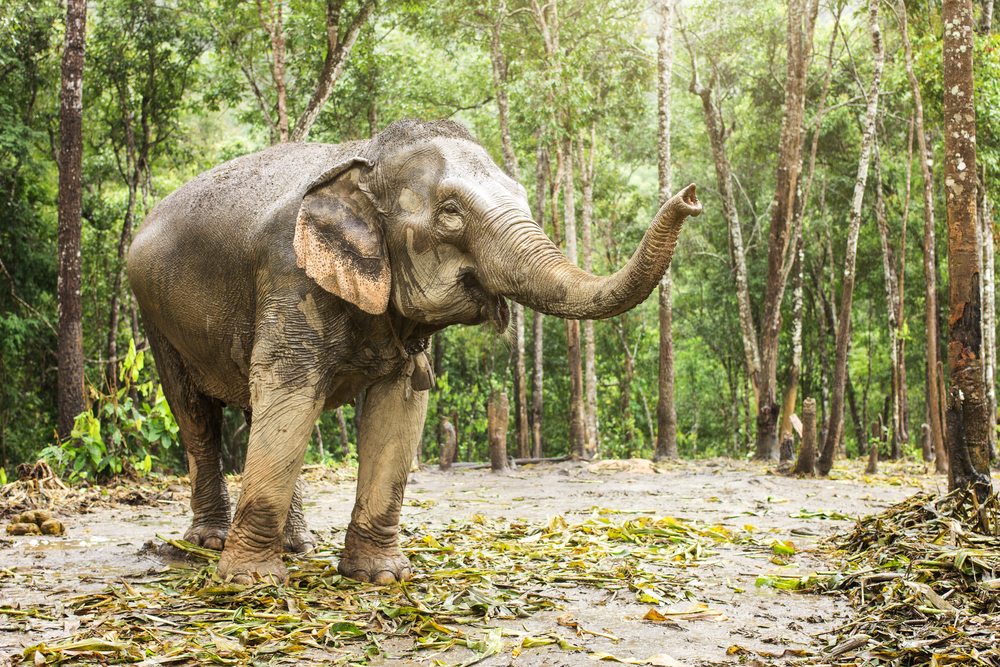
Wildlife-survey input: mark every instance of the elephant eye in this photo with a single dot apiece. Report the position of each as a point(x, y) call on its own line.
point(450, 208)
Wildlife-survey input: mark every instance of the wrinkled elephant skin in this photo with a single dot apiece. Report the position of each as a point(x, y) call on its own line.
point(288, 281)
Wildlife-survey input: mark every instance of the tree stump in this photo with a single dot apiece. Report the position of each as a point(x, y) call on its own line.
point(872, 461)
point(497, 414)
point(448, 446)
point(806, 462)
point(787, 448)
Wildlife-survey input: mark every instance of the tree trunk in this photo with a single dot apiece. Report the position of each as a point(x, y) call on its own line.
point(319, 441)
point(538, 328)
point(70, 373)
point(521, 427)
point(717, 135)
point(988, 299)
point(792, 385)
point(586, 237)
point(338, 50)
point(893, 311)
point(537, 365)
point(438, 353)
point(275, 29)
point(131, 176)
point(625, 397)
point(968, 421)
point(510, 167)
point(836, 426)
point(497, 415)
point(577, 420)
point(801, 21)
point(806, 462)
point(929, 251)
point(345, 444)
point(666, 415)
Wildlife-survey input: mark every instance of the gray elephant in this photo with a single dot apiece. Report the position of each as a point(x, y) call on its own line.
point(287, 281)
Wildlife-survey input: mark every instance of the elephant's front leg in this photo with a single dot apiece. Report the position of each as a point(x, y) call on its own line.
point(283, 418)
point(391, 426)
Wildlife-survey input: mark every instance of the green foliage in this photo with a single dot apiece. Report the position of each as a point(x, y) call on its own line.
point(122, 433)
point(176, 77)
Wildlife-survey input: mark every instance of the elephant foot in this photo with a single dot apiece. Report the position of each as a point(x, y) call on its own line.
point(246, 569)
point(202, 536)
point(366, 560)
point(298, 542)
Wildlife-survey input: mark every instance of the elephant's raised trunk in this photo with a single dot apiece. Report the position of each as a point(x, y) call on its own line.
point(528, 268)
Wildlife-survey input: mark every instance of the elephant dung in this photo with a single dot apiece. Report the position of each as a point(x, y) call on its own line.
point(23, 529)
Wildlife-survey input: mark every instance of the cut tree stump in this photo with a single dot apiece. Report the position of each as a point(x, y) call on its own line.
point(806, 463)
point(872, 461)
point(497, 414)
point(448, 446)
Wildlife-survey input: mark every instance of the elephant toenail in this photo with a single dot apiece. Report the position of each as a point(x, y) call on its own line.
point(213, 543)
point(384, 577)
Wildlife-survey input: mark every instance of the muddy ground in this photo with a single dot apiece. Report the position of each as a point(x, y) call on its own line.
point(105, 546)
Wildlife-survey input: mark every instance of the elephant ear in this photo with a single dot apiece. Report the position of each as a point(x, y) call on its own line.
point(337, 239)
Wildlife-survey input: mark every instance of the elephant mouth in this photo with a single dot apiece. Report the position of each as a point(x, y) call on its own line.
point(492, 307)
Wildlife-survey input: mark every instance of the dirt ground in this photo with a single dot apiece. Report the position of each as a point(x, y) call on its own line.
point(105, 546)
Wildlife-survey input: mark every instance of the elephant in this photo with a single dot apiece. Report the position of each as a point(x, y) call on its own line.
point(286, 282)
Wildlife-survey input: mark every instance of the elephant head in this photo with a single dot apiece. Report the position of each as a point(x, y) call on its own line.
point(425, 219)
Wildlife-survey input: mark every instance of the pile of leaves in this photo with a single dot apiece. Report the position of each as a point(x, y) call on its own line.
point(49, 492)
point(923, 576)
point(476, 579)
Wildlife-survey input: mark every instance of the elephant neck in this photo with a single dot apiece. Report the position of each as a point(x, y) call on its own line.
point(411, 337)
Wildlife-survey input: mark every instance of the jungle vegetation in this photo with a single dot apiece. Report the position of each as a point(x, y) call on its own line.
point(804, 278)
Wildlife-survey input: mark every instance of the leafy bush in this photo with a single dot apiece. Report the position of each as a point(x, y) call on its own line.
point(124, 432)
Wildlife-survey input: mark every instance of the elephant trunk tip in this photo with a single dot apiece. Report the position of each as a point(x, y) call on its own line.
point(687, 199)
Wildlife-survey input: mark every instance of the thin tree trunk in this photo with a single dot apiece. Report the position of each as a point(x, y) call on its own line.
point(577, 420)
point(836, 426)
point(986, 18)
point(510, 167)
point(904, 405)
point(538, 328)
point(338, 50)
point(717, 135)
point(586, 236)
point(319, 441)
point(131, 175)
point(801, 21)
point(929, 252)
point(345, 443)
point(438, 350)
point(968, 421)
point(791, 391)
point(537, 365)
point(70, 373)
point(989, 308)
point(273, 24)
point(892, 309)
point(792, 384)
point(666, 414)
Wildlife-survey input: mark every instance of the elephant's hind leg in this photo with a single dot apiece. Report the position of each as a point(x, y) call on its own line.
point(391, 426)
point(199, 418)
